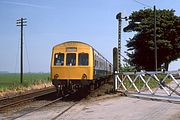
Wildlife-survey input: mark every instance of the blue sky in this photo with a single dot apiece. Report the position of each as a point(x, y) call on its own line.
point(50, 22)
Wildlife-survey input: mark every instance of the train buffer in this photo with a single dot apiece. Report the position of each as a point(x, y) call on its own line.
point(160, 86)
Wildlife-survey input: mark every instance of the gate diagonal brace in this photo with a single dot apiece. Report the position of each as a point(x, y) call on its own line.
point(162, 84)
point(173, 90)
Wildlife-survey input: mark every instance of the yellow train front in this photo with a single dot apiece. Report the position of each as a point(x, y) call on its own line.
point(75, 64)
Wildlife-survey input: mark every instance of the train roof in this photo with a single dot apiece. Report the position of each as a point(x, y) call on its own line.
point(73, 42)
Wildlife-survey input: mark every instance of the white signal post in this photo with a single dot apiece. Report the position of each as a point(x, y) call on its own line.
point(119, 18)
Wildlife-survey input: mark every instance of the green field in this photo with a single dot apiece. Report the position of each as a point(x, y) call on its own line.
point(12, 80)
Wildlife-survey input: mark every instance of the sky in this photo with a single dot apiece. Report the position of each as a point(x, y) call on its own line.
point(50, 22)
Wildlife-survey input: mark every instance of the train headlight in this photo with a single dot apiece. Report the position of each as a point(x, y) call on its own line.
point(84, 77)
point(56, 76)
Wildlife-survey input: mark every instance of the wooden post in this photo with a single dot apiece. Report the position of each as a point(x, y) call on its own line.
point(115, 66)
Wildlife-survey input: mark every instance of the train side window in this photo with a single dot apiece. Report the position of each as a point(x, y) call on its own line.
point(59, 59)
point(71, 59)
point(95, 63)
point(83, 59)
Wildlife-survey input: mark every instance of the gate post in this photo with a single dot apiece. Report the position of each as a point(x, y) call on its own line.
point(115, 67)
point(116, 81)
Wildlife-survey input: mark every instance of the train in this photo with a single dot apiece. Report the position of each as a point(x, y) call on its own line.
point(75, 64)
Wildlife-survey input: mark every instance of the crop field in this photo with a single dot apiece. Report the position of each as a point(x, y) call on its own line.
point(12, 80)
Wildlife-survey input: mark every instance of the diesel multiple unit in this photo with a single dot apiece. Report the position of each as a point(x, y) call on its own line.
point(75, 64)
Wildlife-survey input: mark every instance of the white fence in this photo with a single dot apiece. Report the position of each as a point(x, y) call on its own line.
point(149, 83)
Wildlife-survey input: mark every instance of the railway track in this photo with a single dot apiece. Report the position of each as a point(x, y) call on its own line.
point(48, 104)
point(65, 110)
point(13, 101)
point(40, 107)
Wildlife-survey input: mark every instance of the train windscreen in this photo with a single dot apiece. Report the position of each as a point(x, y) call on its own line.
point(59, 59)
point(71, 59)
point(83, 59)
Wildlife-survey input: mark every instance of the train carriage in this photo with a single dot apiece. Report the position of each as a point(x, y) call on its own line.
point(75, 63)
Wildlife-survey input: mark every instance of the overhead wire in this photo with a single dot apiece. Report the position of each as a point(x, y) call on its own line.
point(27, 57)
point(142, 4)
point(17, 56)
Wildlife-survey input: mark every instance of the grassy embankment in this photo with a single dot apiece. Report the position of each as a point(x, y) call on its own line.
point(11, 81)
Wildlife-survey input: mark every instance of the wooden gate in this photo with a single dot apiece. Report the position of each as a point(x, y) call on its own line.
point(152, 85)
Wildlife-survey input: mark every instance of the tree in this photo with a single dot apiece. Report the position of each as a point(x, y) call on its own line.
point(141, 46)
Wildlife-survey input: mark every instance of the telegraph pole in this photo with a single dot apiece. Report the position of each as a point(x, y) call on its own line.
point(155, 43)
point(119, 18)
point(21, 22)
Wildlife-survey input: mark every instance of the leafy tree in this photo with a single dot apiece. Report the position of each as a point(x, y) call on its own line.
point(127, 68)
point(141, 46)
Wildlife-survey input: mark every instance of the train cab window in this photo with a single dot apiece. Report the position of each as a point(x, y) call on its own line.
point(59, 59)
point(71, 59)
point(83, 59)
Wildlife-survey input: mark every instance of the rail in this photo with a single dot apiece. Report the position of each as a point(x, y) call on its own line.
point(12, 101)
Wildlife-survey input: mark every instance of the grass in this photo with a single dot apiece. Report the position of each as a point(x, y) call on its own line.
point(12, 80)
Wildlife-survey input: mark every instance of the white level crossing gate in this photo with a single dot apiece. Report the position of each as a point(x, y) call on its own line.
point(164, 86)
